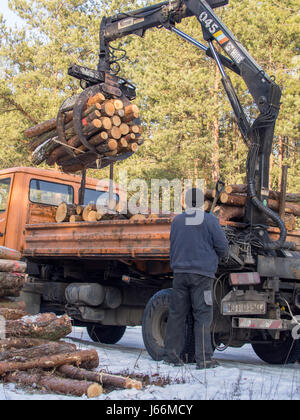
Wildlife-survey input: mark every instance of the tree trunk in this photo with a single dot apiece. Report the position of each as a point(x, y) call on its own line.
point(12, 266)
point(101, 378)
point(43, 326)
point(20, 343)
point(64, 211)
point(45, 127)
point(226, 213)
point(47, 349)
point(87, 357)
point(9, 254)
point(56, 384)
point(11, 281)
point(12, 314)
point(10, 304)
point(75, 218)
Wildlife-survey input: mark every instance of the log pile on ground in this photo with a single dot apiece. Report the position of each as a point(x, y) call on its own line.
point(12, 280)
point(111, 126)
point(32, 354)
point(232, 202)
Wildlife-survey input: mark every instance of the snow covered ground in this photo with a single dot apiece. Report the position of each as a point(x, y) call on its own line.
point(240, 376)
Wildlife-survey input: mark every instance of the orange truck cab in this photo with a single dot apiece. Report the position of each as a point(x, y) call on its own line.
point(27, 195)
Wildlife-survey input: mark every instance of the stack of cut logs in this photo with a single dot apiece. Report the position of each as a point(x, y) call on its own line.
point(110, 126)
point(232, 202)
point(92, 213)
point(12, 280)
point(31, 353)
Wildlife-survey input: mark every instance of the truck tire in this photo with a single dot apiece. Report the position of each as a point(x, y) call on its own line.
point(278, 353)
point(154, 325)
point(105, 334)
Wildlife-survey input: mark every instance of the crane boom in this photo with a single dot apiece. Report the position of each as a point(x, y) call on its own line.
point(266, 94)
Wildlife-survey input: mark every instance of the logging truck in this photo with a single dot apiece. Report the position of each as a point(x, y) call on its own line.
point(111, 274)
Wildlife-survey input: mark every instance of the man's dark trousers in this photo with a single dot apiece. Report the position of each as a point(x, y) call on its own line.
point(190, 291)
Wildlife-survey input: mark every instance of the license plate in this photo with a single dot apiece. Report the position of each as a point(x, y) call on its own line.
point(244, 308)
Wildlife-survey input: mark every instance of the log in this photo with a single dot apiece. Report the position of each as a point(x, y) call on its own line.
point(130, 138)
point(114, 133)
point(12, 314)
point(131, 109)
point(64, 211)
point(75, 218)
point(87, 357)
point(240, 200)
point(20, 343)
point(116, 120)
point(44, 127)
point(11, 281)
point(289, 221)
point(90, 207)
point(124, 128)
point(118, 104)
point(92, 216)
point(130, 117)
point(135, 129)
point(99, 98)
point(46, 349)
point(53, 133)
point(107, 109)
point(137, 217)
point(226, 213)
point(56, 384)
point(42, 152)
point(133, 147)
point(79, 209)
point(274, 195)
point(10, 304)
point(10, 292)
point(108, 146)
point(43, 326)
point(12, 266)
point(9, 254)
point(99, 377)
point(106, 123)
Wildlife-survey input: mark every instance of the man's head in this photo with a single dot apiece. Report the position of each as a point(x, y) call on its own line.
point(194, 198)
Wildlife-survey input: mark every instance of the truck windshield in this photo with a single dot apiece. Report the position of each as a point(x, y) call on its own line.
point(4, 193)
point(50, 193)
point(98, 197)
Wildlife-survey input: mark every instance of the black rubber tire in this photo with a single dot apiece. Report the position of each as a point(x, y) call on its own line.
point(105, 334)
point(278, 353)
point(154, 324)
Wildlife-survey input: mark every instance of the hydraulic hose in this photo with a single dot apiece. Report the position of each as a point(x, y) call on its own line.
point(272, 245)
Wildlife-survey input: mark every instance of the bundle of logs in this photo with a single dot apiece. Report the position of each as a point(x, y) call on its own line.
point(12, 280)
point(111, 126)
point(92, 213)
point(31, 350)
point(232, 202)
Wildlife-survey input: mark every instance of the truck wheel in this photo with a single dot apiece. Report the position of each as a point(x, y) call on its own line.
point(278, 353)
point(154, 326)
point(105, 334)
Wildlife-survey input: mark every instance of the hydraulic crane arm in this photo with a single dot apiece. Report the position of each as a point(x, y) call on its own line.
point(265, 92)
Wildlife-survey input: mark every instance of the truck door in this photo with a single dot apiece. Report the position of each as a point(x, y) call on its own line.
point(5, 192)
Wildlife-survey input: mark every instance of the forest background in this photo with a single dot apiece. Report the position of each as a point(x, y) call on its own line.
point(190, 131)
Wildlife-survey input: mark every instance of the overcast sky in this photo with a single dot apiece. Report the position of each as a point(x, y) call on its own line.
point(10, 17)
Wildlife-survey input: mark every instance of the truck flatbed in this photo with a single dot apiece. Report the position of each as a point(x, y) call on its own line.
point(140, 239)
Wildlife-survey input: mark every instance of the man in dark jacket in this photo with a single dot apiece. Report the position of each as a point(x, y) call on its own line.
point(197, 243)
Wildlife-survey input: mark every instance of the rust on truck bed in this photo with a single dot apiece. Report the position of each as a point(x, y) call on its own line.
point(146, 239)
point(118, 238)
